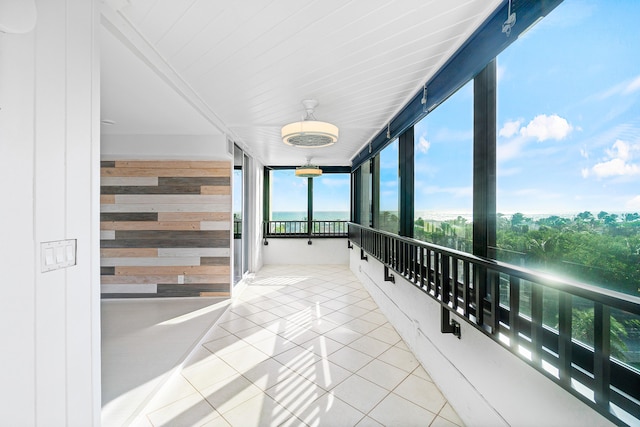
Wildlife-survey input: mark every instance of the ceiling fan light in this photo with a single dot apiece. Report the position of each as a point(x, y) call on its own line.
point(308, 171)
point(309, 133)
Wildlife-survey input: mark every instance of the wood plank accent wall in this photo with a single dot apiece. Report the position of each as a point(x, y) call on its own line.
point(163, 220)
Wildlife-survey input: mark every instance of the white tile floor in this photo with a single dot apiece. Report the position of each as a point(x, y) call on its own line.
point(303, 345)
point(143, 342)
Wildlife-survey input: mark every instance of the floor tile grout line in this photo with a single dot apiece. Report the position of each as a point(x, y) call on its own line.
point(306, 326)
point(176, 370)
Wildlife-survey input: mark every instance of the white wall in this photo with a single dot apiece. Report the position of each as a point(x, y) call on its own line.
point(49, 164)
point(164, 147)
point(297, 251)
point(484, 382)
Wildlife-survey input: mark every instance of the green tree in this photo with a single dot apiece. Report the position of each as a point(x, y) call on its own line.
point(583, 330)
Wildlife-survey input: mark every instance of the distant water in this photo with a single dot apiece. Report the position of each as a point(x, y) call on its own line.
point(317, 216)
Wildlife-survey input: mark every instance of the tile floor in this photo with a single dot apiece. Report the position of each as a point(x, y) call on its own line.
point(143, 342)
point(302, 345)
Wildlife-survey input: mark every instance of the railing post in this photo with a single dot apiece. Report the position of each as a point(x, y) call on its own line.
point(602, 354)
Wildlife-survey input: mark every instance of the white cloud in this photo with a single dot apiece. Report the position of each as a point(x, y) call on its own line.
point(510, 128)
point(632, 86)
point(619, 150)
point(615, 167)
point(544, 127)
point(634, 203)
point(624, 88)
point(617, 162)
point(423, 145)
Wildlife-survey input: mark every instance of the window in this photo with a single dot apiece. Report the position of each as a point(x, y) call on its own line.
point(569, 146)
point(389, 202)
point(366, 195)
point(568, 198)
point(443, 174)
point(331, 197)
point(291, 198)
point(288, 196)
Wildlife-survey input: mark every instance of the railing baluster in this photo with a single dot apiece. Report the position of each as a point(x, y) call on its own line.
point(423, 269)
point(494, 300)
point(414, 250)
point(429, 266)
point(456, 288)
point(480, 286)
point(466, 290)
point(446, 278)
point(602, 354)
point(514, 311)
point(438, 274)
point(536, 324)
point(565, 318)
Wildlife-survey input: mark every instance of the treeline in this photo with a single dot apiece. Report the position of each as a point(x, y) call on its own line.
point(602, 249)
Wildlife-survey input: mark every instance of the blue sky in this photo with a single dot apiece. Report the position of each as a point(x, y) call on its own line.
point(568, 120)
point(568, 124)
point(289, 193)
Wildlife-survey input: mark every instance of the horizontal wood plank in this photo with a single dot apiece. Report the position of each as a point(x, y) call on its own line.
point(151, 279)
point(215, 261)
point(165, 172)
point(197, 181)
point(107, 271)
point(130, 252)
point(124, 288)
point(171, 207)
point(215, 189)
point(206, 278)
point(169, 234)
point(164, 271)
point(149, 225)
point(107, 234)
point(149, 262)
point(184, 199)
point(107, 199)
point(215, 225)
point(166, 243)
point(194, 216)
point(128, 181)
point(199, 252)
point(160, 189)
point(129, 216)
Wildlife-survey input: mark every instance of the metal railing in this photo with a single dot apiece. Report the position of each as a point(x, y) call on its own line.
point(469, 287)
point(237, 229)
point(305, 229)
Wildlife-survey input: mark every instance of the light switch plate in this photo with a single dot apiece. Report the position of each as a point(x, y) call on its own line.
point(58, 254)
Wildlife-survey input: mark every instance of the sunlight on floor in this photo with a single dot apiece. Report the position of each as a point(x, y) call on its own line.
point(312, 351)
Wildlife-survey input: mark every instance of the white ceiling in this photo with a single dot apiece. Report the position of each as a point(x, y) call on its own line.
point(247, 65)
